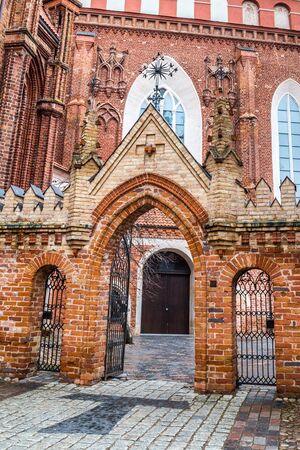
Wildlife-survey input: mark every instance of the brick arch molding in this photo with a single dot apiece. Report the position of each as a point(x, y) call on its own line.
point(158, 181)
point(49, 259)
point(130, 197)
point(245, 261)
point(117, 210)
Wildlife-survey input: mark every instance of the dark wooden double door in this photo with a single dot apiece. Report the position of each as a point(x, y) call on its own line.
point(166, 295)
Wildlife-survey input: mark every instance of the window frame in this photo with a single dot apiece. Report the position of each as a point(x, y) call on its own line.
point(292, 88)
point(185, 90)
point(176, 102)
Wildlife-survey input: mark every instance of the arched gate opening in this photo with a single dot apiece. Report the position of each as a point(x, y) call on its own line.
point(52, 324)
point(255, 328)
point(118, 307)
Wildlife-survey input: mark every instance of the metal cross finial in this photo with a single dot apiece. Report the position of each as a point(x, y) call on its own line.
point(157, 70)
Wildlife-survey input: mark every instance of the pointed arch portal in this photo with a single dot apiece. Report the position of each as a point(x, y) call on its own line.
point(118, 211)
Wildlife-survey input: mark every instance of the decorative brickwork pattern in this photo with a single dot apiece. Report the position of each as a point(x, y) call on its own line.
point(80, 240)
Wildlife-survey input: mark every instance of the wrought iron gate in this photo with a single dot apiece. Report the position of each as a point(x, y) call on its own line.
point(118, 308)
point(52, 323)
point(255, 329)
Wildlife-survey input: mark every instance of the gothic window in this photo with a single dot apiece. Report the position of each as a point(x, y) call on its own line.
point(250, 13)
point(172, 111)
point(289, 139)
point(180, 106)
point(219, 10)
point(282, 16)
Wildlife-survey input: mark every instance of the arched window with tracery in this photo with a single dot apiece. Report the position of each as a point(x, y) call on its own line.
point(26, 158)
point(289, 139)
point(180, 106)
point(286, 134)
point(250, 13)
point(171, 109)
point(282, 16)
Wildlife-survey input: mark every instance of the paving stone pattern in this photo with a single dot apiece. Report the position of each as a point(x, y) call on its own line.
point(117, 415)
point(257, 424)
point(290, 424)
point(160, 412)
point(162, 357)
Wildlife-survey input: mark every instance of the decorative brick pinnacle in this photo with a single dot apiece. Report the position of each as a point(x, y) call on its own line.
point(222, 132)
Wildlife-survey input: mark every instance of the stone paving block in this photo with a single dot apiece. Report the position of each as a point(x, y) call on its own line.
point(117, 415)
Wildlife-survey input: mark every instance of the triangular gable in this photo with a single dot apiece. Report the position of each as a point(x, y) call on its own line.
point(151, 146)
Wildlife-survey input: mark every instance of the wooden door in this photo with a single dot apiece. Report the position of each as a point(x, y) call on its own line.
point(165, 304)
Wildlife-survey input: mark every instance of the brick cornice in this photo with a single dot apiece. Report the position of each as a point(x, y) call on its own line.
point(72, 5)
point(21, 38)
point(93, 19)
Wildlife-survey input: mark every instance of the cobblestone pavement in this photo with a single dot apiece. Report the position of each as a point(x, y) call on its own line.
point(257, 424)
point(117, 415)
point(141, 414)
point(290, 424)
point(156, 413)
point(163, 357)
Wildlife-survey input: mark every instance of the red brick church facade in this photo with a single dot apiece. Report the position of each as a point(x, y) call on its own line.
point(74, 111)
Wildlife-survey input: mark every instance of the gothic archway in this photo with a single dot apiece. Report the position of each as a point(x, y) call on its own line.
point(113, 217)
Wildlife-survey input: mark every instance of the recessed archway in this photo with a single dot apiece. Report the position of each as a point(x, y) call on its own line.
point(178, 247)
point(166, 294)
point(118, 212)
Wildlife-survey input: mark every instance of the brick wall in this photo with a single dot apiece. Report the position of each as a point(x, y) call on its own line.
point(79, 235)
point(259, 73)
point(193, 9)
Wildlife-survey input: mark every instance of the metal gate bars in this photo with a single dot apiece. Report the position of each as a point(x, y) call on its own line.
point(118, 308)
point(52, 323)
point(255, 329)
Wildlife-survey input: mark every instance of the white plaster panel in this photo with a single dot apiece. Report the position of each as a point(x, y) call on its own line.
point(219, 10)
point(150, 6)
point(116, 5)
point(186, 8)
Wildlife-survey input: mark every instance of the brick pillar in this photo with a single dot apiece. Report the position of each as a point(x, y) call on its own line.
point(16, 64)
point(19, 47)
point(52, 106)
point(76, 106)
point(248, 128)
